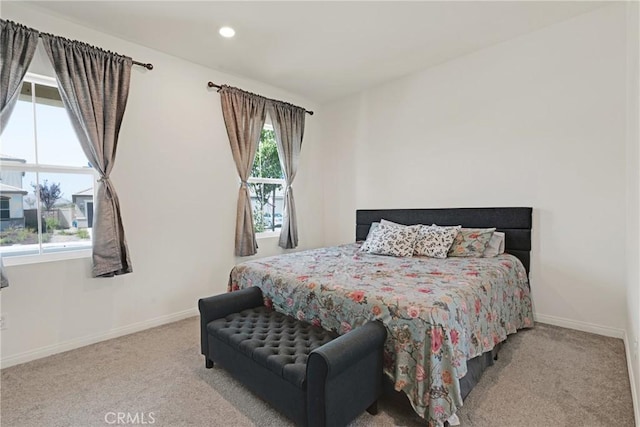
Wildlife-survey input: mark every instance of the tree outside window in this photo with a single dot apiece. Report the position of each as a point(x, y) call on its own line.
point(266, 184)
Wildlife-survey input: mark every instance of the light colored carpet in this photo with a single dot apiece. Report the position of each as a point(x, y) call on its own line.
point(546, 376)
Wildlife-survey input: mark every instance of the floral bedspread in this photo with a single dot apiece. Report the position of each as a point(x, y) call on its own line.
point(438, 312)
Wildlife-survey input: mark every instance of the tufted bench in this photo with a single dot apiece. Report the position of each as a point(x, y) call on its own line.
point(310, 375)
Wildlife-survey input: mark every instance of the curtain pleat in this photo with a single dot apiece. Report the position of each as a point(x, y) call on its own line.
point(244, 116)
point(288, 124)
point(18, 47)
point(94, 86)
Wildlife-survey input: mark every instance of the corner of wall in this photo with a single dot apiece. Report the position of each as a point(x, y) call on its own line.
point(632, 333)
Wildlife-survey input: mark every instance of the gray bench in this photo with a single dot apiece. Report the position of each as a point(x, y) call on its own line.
point(310, 375)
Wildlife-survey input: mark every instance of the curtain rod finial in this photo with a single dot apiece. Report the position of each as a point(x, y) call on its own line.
point(148, 66)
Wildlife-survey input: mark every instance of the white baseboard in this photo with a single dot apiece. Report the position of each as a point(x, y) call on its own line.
point(580, 326)
point(92, 339)
point(634, 391)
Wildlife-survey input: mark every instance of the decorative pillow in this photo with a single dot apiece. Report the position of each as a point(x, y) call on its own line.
point(416, 227)
point(372, 229)
point(495, 246)
point(434, 241)
point(471, 242)
point(391, 224)
point(394, 241)
point(395, 224)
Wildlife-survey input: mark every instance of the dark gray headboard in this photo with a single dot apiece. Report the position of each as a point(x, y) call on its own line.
point(514, 222)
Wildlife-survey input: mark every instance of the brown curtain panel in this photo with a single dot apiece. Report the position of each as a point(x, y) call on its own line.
point(244, 116)
point(288, 124)
point(94, 86)
point(18, 46)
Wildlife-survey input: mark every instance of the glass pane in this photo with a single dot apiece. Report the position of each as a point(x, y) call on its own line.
point(267, 163)
point(267, 201)
point(17, 141)
point(66, 202)
point(18, 232)
point(57, 141)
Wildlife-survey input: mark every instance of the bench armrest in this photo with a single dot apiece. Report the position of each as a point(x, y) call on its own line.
point(219, 306)
point(344, 376)
point(350, 348)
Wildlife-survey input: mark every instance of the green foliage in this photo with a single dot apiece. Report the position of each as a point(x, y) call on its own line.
point(12, 236)
point(50, 224)
point(267, 162)
point(265, 165)
point(83, 234)
point(258, 220)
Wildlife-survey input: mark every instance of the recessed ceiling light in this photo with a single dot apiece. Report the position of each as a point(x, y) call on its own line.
point(227, 32)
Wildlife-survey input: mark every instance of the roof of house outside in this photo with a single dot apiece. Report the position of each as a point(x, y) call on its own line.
point(9, 158)
point(87, 192)
point(4, 188)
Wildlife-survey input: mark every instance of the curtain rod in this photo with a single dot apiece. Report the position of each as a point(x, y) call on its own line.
point(212, 84)
point(148, 66)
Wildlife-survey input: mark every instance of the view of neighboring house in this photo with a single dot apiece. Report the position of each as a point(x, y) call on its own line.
point(18, 206)
point(11, 195)
point(11, 210)
point(84, 201)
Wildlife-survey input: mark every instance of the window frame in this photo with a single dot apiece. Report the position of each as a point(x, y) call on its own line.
point(257, 180)
point(40, 168)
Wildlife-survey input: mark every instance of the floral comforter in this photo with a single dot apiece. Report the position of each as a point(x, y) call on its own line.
point(438, 312)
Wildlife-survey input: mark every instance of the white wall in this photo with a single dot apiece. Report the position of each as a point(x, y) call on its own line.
point(173, 157)
point(535, 121)
point(633, 199)
point(15, 206)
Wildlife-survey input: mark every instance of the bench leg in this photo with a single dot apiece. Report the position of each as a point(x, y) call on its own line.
point(208, 363)
point(373, 409)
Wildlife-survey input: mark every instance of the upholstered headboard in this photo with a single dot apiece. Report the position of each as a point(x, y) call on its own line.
point(514, 222)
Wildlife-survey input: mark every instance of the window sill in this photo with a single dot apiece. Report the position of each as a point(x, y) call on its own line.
point(268, 234)
point(50, 257)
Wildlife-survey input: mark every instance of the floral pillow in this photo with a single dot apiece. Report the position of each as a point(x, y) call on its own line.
point(434, 241)
point(394, 241)
point(471, 242)
point(495, 246)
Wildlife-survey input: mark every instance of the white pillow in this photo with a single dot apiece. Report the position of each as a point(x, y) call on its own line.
point(495, 246)
point(395, 224)
point(434, 241)
point(372, 229)
point(391, 224)
point(390, 240)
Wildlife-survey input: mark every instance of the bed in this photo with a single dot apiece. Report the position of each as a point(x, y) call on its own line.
point(444, 317)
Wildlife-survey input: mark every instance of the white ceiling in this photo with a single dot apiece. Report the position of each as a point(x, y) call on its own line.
point(322, 50)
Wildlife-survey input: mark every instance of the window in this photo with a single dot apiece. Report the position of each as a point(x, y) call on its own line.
point(45, 179)
point(4, 208)
point(267, 184)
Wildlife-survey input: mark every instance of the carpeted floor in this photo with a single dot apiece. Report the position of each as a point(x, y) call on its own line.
point(547, 376)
